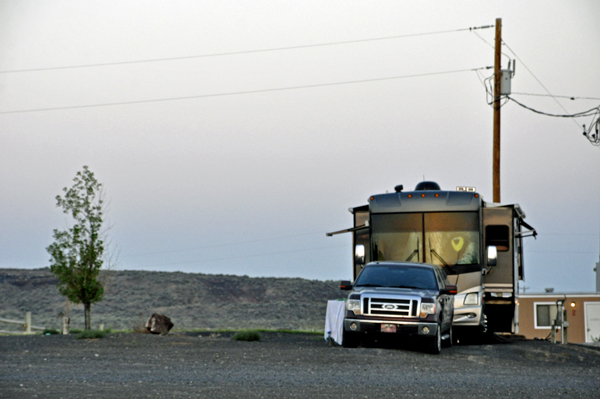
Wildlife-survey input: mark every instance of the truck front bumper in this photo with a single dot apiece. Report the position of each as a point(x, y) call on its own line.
point(467, 316)
point(376, 326)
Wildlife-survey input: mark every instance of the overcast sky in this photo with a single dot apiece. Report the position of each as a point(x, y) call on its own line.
point(227, 174)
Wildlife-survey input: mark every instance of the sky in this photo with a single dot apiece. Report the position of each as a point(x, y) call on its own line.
point(231, 136)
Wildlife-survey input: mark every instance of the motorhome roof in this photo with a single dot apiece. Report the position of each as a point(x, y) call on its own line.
point(425, 201)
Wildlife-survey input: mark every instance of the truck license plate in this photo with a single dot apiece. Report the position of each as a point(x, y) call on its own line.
point(388, 328)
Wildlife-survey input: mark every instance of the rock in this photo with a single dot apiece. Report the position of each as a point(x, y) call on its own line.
point(159, 324)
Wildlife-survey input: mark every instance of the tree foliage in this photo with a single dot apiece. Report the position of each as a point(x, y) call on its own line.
point(77, 253)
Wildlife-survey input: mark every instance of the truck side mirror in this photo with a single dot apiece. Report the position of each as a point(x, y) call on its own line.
point(449, 290)
point(359, 254)
point(345, 285)
point(492, 255)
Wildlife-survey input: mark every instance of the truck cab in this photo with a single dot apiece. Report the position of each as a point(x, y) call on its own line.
point(402, 298)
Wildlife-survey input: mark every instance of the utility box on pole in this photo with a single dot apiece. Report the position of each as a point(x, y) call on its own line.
point(505, 79)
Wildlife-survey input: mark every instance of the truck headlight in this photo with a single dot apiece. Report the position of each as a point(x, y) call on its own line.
point(353, 305)
point(471, 299)
point(427, 308)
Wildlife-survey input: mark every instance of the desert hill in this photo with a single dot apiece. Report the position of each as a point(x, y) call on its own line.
point(191, 300)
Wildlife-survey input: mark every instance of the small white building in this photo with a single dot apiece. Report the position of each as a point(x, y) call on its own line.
point(538, 310)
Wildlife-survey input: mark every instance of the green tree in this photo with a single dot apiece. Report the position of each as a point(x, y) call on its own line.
point(77, 253)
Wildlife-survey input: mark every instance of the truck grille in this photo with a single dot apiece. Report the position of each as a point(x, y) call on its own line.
point(390, 306)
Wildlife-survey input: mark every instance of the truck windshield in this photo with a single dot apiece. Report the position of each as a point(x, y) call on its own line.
point(441, 238)
point(397, 276)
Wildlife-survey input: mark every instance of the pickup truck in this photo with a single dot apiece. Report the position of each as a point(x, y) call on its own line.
point(402, 298)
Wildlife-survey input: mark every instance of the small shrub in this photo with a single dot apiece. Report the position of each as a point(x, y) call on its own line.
point(50, 331)
point(139, 324)
point(246, 336)
point(299, 332)
point(75, 330)
point(91, 334)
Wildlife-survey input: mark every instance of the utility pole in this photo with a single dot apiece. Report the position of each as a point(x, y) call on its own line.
point(497, 86)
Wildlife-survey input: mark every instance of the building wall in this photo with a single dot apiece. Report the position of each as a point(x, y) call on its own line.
point(575, 315)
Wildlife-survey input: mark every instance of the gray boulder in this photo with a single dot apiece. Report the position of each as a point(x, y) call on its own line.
point(159, 324)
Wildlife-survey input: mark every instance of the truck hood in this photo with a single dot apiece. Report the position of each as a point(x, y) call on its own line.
point(395, 291)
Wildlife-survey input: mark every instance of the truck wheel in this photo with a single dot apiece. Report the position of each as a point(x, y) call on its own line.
point(435, 343)
point(350, 339)
point(447, 343)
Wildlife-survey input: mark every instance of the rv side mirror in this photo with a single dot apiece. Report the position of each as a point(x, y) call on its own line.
point(492, 256)
point(345, 285)
point(359, 254)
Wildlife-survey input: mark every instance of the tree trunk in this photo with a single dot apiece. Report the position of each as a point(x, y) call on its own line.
point(88, 311)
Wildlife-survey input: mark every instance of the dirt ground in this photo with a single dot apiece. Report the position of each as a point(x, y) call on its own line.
point(288, 365)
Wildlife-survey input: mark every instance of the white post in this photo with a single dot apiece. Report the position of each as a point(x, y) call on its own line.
point(66, 321)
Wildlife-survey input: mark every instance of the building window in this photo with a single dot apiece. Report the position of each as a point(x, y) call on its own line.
point(545, 314)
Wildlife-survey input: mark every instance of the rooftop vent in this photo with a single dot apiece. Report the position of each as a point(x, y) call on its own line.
point(428, 186)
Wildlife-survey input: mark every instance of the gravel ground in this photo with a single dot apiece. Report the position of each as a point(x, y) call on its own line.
point(288, 365)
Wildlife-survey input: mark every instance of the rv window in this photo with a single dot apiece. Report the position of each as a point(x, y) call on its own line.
point(452, 238)
point(397, 237)
point(498, 236)
point(360, 218)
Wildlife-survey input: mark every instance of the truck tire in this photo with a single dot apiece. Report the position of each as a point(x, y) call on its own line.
point(434, 344)
point(447, 343)
point(350, 339)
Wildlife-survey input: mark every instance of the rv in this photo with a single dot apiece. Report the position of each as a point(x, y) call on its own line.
point(478, 244)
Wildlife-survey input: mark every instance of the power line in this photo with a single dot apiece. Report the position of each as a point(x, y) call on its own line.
point(243, 52)
point(593, 138)
point(550, 95)
point(567, 234)
point(590, 112)
point(536, 78)
point(564, 252)
point(490, 44)
point(237, 92)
